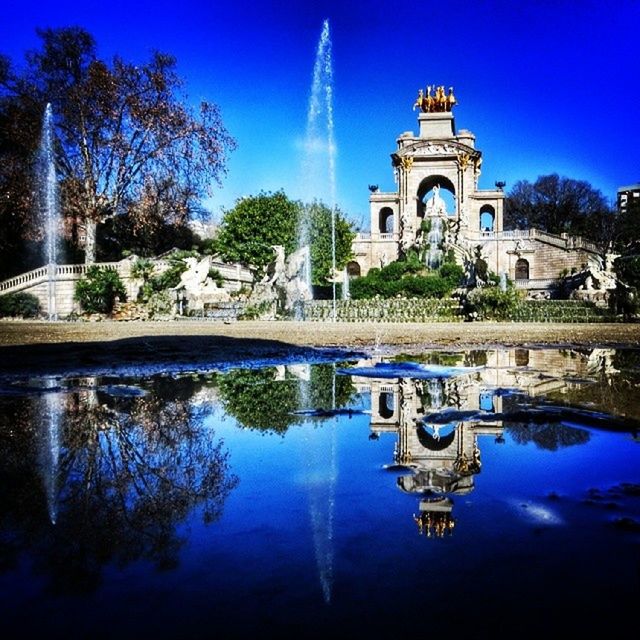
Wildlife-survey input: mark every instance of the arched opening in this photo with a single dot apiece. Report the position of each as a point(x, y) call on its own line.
point(487, 218)
point(433, 189)
point(444, 439)
point(385, 220)
point(486, 401)
point(522, 269)
point(522, 357)
point(353, 269)
point(386, 405)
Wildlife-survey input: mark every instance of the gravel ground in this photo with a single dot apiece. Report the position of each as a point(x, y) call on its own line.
point(109, 346)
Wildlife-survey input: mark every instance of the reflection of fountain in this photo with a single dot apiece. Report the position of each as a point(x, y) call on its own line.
point(50, 448)
point(322, 473)
point(48, 204)
point(320, 149)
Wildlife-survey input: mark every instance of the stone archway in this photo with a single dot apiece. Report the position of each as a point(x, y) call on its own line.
point(447, 190)
point(386, 405)
point(487, 219)
point(522, 269)
point(385, 220)
point(353, 269)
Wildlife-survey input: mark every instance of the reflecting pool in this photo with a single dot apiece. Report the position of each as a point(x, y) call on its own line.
point(484, 492)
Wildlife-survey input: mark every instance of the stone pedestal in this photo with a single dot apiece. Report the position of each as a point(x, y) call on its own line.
point(436, 126)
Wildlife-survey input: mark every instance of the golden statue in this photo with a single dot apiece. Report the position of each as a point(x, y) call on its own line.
point(419, 100)
point(451, 99)
point(436, 103)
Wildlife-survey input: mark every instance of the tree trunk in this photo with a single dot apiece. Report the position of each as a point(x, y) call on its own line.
point(90, 242)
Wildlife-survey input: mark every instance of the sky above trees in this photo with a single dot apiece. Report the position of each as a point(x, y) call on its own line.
point(547, 87)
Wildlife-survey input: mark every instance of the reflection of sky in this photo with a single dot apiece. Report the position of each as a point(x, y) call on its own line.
point(257, 567)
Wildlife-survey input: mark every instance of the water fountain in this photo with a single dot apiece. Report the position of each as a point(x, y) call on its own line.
point(319, 166)
point(346, 293)
point(49, 205)
point(319, 178)
point(503, 281)
point(434, 240)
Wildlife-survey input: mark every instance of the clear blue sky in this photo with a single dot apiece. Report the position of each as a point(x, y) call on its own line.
point(545, 86)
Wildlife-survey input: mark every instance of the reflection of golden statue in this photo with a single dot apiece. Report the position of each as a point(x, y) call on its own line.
point(434, 523)
point(439, 102)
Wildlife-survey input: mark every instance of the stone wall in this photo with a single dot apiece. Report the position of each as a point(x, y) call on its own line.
point(449, 310)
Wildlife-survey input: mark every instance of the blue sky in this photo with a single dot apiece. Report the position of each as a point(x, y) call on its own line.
point(545, 86)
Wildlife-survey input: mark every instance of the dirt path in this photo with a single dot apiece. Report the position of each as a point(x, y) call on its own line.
point(330, 334)
point(132, 348)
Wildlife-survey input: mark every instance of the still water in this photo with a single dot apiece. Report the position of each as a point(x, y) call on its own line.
point(484, 492)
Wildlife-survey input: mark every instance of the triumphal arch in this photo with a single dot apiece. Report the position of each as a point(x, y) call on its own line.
point(439, 206)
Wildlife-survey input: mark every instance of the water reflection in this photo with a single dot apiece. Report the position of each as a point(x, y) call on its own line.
point(118, 473)
point(300, 497)
point(438, 416)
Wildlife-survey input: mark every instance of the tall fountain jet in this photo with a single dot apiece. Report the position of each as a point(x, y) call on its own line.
point(49, 206)
point(319, 167)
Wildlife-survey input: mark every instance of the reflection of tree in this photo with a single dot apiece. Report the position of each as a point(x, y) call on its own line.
point(550, 436)
point(321, 391)
point(612, 391)
point(258, 400)
point(131, 469)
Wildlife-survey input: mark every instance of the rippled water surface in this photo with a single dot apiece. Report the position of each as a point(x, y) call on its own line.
point(484, 492)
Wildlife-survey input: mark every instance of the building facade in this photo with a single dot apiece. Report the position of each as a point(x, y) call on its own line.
point(441, 160)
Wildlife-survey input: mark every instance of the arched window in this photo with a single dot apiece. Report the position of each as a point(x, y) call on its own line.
point(385, 220)
point(386, 405)
point(522, 269)
point(487, 218)
point(442, 188)
point(353, 269)
point(522, 357)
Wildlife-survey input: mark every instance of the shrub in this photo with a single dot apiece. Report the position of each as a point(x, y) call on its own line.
point(453, 273)
point(491, 303)
point(410, 278)
point(216, 276)
point(24, 305)
point(98, 290)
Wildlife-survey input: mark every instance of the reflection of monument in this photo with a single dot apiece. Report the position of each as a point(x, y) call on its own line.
point(442, 458)
point(438, 421)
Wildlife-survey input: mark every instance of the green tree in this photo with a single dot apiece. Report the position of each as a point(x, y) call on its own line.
point(126, 140)
point(558, 205)
point(257, 223)
point(98, 290)
point(254, 225)
point(319, 218)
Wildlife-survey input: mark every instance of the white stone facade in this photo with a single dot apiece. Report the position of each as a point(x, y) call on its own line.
point(437, 160)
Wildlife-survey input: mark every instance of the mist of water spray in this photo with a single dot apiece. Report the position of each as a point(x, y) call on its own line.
point(49, 206)
point(434, 252)
point(319, 166)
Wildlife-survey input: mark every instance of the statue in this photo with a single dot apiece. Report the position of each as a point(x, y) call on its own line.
point(436, 206)
point(419, 100)
point(440, 102)
point(197, 287)
point(286, 282)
